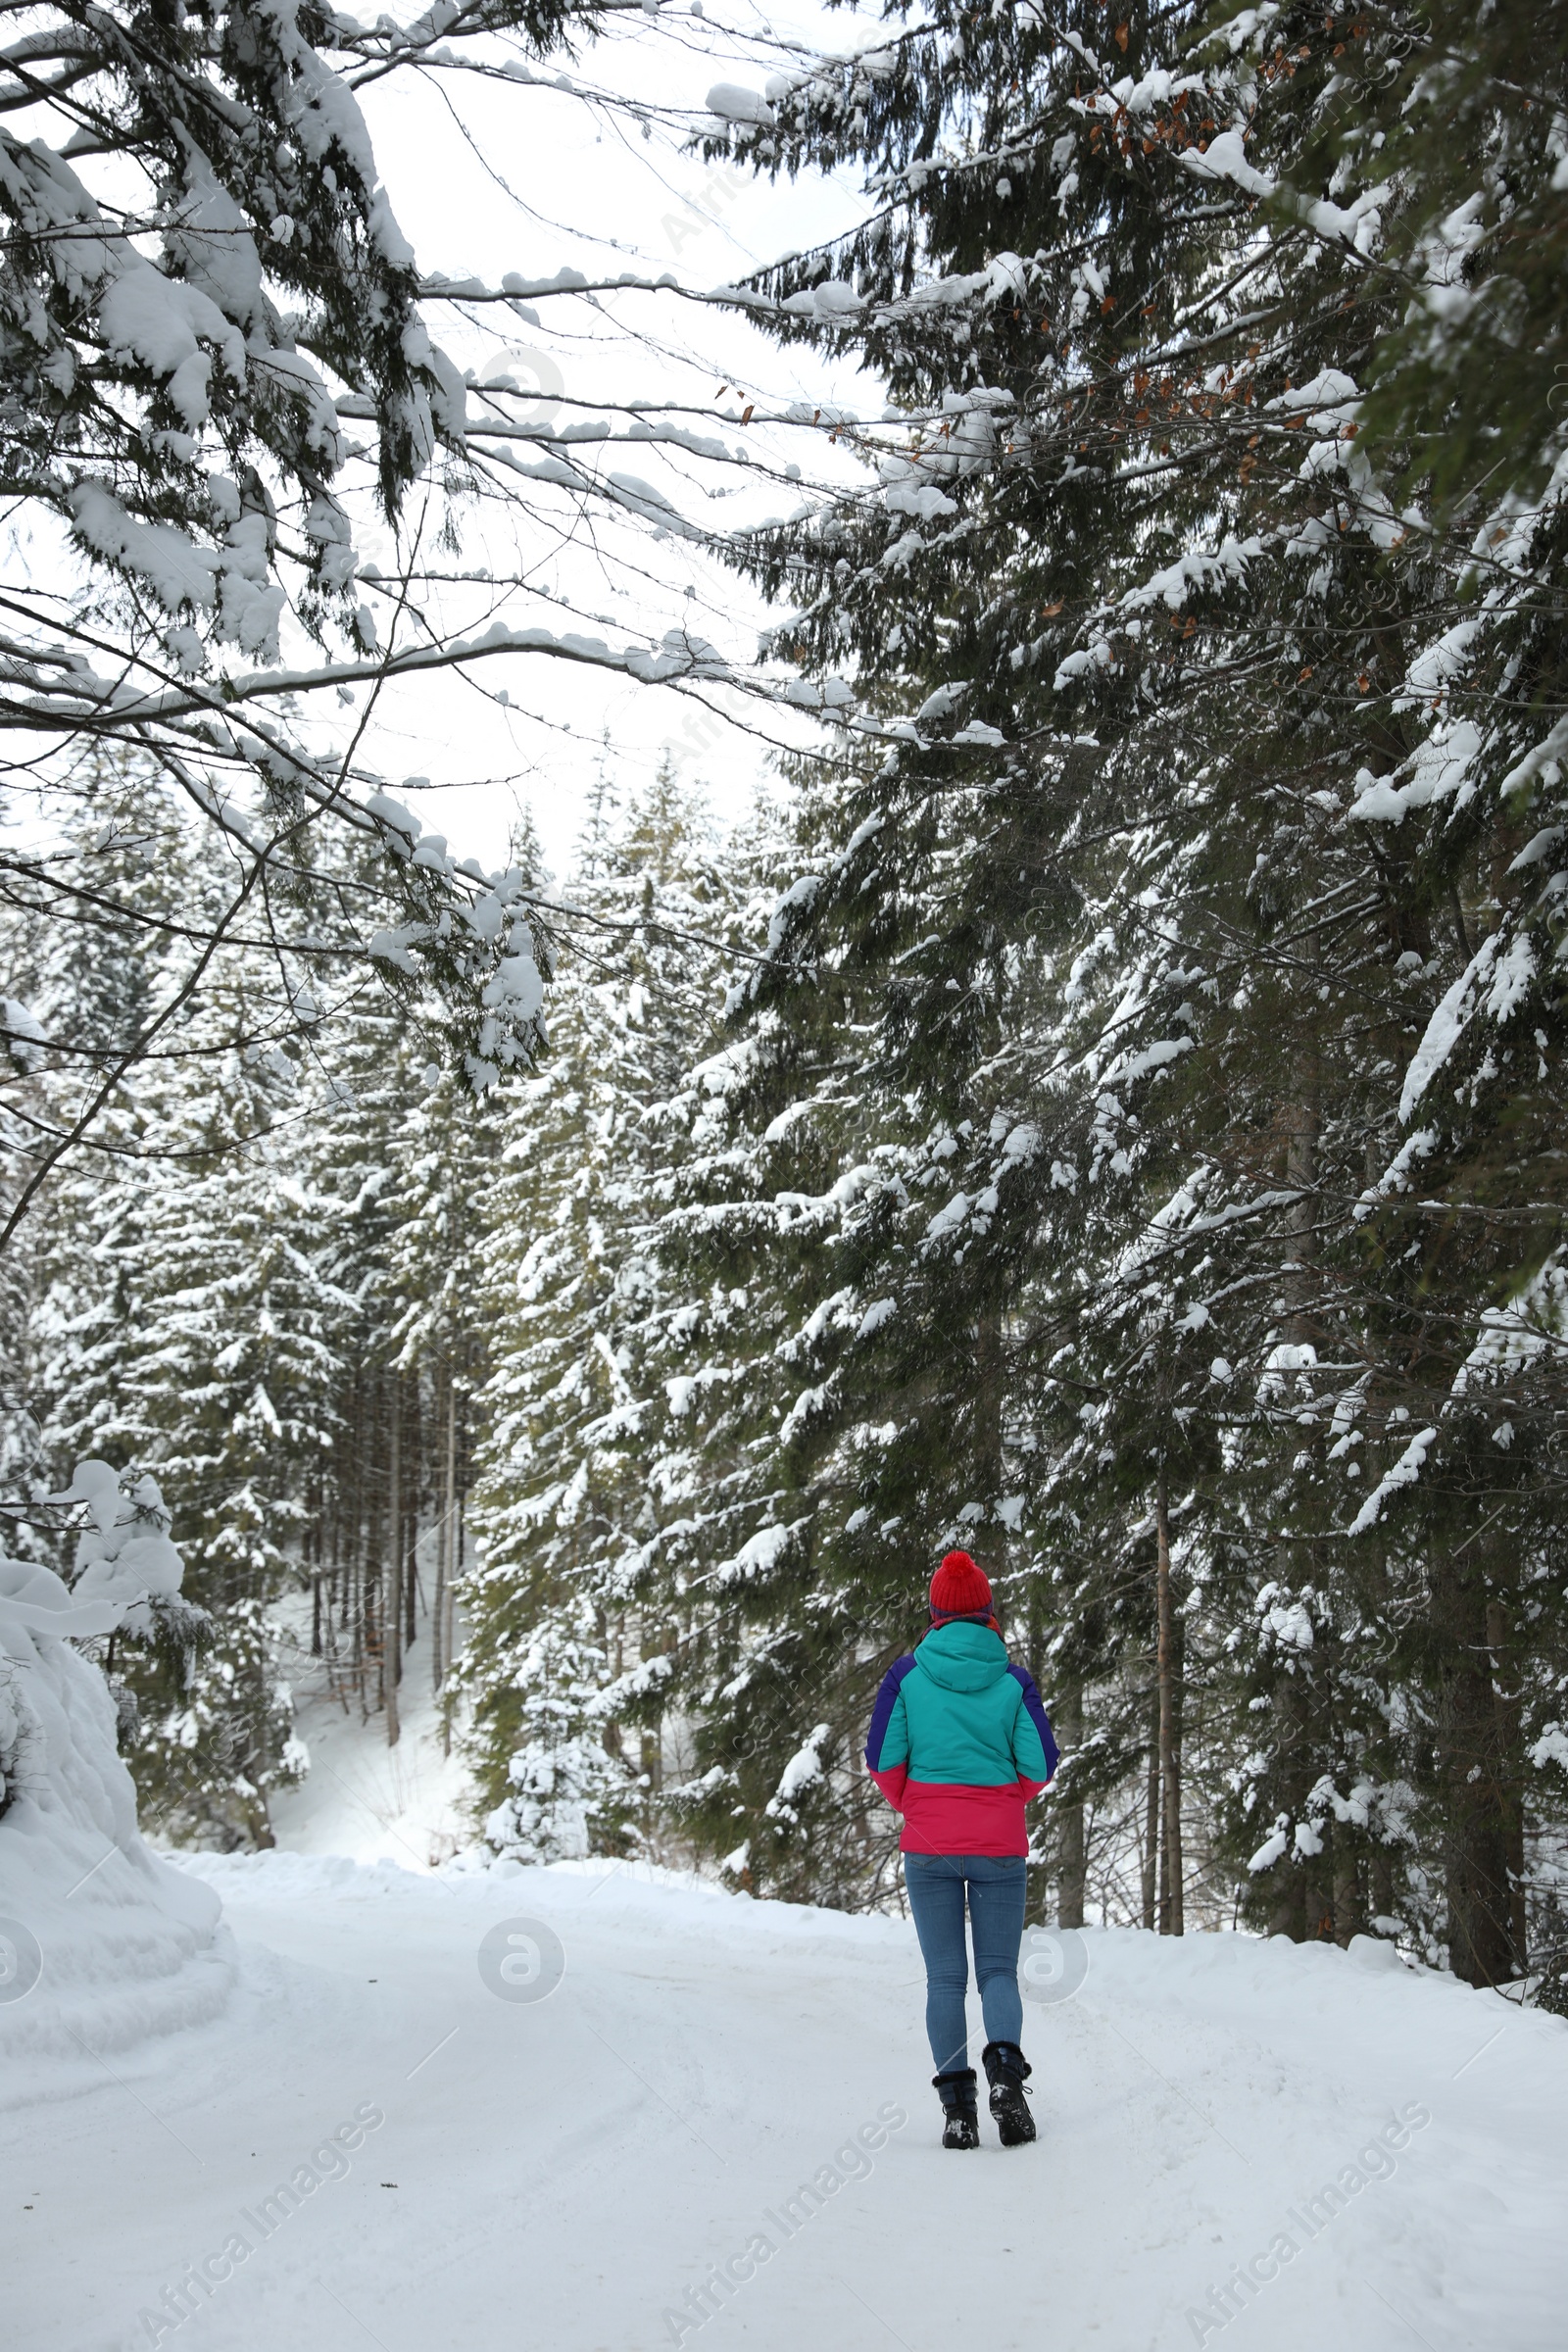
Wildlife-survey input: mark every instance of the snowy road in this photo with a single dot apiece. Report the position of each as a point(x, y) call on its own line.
point(565, 2172)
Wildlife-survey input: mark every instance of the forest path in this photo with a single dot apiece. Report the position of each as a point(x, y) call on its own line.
point(560, 2172)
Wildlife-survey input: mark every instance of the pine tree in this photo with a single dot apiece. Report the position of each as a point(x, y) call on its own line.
point(189, 1330)
point(575, 1466)
point(1110, 966)
point(228, 1288)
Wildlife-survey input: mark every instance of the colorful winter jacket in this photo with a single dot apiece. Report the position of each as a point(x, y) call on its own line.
point(960, 1743)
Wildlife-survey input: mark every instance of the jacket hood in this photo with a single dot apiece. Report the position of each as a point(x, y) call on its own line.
point(962, 1656)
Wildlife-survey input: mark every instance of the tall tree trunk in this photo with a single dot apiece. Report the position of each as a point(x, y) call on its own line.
point(989, 1391)
point(392, 1618)
point(347, 1535)
point(413, 1461)
point(374, 1678)
point(443, 1539)
point(1171, 1874)
point(1382, 1877)
point(1151, 1816)
point(1071, 1859)
point(1302, 1121)
point(456, 1539)
point(1473, 1774)
point(1037, 1889)
point(1505, 1685)
point(1348, 1919)
point(1291, 1721)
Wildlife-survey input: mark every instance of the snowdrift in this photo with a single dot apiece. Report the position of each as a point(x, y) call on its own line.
point(101, 1944)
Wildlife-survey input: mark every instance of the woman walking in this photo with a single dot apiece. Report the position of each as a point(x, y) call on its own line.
point(959, 1744)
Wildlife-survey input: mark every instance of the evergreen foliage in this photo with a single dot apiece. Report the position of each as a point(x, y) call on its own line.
point(1148, 1108)
point(1129, 1145)
point(250, 1286)
point(581, 1466)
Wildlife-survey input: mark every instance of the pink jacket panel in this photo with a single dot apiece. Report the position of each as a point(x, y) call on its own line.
point(945, 1817)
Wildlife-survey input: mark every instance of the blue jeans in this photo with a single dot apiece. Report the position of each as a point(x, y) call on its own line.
point(996, 1883)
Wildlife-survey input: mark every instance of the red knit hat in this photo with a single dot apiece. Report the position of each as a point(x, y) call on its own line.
point(959, 1589)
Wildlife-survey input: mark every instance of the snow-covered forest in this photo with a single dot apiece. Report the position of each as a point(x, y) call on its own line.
point(991, 973)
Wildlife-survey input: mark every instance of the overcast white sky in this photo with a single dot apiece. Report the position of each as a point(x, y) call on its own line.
point(488, 179)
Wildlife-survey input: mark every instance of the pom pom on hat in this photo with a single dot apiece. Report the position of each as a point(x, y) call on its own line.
point(958, 1587)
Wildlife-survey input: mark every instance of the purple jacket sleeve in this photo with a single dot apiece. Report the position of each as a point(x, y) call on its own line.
point(1034, 1743)
point(887, 1742)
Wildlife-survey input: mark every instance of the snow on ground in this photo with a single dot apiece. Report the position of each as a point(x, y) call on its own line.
point(409, 2136)
point(410, 1804)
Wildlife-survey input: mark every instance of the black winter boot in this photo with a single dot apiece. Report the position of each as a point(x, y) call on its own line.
point(1006, 2071)
point(959, 2106)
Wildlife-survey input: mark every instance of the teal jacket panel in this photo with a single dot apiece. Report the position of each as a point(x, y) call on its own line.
point(960, 1716)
